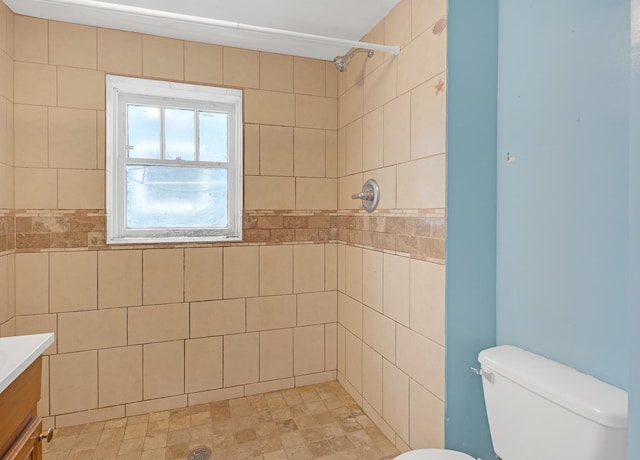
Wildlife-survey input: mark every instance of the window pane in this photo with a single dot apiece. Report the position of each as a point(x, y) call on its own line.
point(143, 129)
point(213, 136)
point(176, 196)
point(179, 134)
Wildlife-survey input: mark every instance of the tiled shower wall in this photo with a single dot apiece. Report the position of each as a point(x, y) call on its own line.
point(7, 221)
point(392, 116)
point(143, 328)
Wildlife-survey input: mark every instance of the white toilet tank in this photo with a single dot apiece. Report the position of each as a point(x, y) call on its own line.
point(541, 409)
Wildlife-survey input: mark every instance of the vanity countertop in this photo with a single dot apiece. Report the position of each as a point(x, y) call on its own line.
point(19, 352)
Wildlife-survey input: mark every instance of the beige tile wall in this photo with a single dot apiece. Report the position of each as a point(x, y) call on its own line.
point(7, 219)
point(141, 329)
point(391, 127)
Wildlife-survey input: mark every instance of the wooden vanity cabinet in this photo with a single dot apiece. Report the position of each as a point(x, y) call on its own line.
point(20, 426)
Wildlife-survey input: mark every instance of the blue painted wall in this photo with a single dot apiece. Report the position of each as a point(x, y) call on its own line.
point(471, 219)
point(562, 212)
point(634, 235)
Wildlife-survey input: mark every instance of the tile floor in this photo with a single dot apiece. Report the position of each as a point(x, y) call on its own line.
point(313, 422)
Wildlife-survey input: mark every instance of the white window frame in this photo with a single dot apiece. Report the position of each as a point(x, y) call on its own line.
point(123, 90)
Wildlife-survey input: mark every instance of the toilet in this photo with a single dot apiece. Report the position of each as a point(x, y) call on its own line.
point(540, 409)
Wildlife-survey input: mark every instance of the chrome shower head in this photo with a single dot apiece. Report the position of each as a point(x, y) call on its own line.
point(341, 62)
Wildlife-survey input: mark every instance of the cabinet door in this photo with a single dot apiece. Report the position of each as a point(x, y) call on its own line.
point(28, 446)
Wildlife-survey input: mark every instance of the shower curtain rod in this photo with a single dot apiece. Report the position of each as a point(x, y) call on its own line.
point(138, 11)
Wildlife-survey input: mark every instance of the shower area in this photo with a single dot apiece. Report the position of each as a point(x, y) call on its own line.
point(320, 295)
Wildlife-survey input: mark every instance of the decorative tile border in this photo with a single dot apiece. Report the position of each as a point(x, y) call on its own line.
point(419, 233)
point(7, 231)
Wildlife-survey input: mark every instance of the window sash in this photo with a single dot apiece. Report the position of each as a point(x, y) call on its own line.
point(117, 230)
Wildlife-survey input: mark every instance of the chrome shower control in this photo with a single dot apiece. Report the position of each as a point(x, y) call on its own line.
point(370, 195)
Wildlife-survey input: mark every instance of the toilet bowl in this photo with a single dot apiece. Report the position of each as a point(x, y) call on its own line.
point(434, 454)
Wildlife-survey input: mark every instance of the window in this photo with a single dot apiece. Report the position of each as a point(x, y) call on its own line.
point(174, 162)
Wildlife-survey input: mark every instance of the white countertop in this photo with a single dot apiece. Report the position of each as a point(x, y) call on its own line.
point(17, 353)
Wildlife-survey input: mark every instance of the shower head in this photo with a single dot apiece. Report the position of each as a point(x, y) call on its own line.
point(341, 62)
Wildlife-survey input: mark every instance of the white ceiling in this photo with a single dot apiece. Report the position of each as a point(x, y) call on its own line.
point(346, 19)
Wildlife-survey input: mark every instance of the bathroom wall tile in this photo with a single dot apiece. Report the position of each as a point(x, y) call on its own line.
point(426, 419)
point(273, 312)
point(38, 324)
point(276, 72)
point(276, 151)
point(350, 314)
point(276, 270)
point(351, 106)
point(119, 375)
point(380, 86)
point(396, 288)
point(308, 268)
point(158, 323)
point(81, 189)
point(379, 333)
point(205, 397)
point(73, 281)
point(314, 379)
point(5, 287)
point(422, 183)
point(330, 346)
point(386, 179)
point(427, 300)
point(376, 35)
point(355, 70)
point(240, 272)
point(353, 154)
point(316, 194)
point(74, 382)
point(88, 417)
point(372, 279)
point(34, 84)
point(317, 308)
point(31, 142)
point(331, 153)
point(353, 361)
point(425, 14)
point(119, 52)
point(308, 349)
point(429, 118)
point(372, 377)
point(398, 24)
point(342, 332)
point(353, 264)
point(251, 150)
point(241, 67)
point(331, 266)
point(220, 317)
point(156, 405)
point(31, 39)
point(276, 354)
point(341, 165)
point(101, 143)
point(269, 107)
point(72, 138)
point(32, 283)
point(241, 359)
point(268, 386)
point(397, 130)
point(347, 186)
point(163, 369)
point(81, 88)
point(203, 63)
point(119, 278)
point(202, 273)
point(372, 139)
point(72, 45)
point(269, 192)
point(412, 69)
point(395, 399)
point(316, 112)
point(90, 330)
point(309, 152)
point(309, 76)
point(422, 359)
point(203, 364)
point(7, 188)
point(7, 77)
point(162, 57)
point(162, 276)
point(331, 80)
point(341, 267)
point(43, 404)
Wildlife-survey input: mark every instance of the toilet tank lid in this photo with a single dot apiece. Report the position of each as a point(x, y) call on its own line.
point(580, 393)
